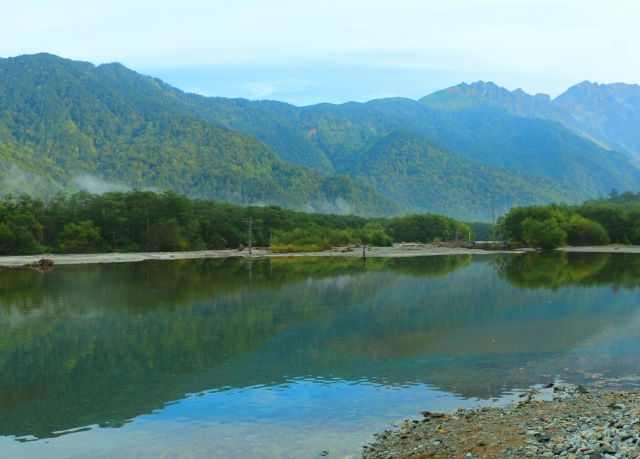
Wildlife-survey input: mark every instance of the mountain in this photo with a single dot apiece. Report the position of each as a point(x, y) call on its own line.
point(460, 151)
point(479, 93)
point(70, 122)
point(488, 134)
point(608, 114)
point(413, 170)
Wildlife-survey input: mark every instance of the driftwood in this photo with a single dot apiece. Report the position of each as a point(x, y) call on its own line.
point(475, 245)
point(43, 263)
point(492, 245)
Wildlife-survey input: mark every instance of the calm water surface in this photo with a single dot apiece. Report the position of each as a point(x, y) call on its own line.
point(289, 358)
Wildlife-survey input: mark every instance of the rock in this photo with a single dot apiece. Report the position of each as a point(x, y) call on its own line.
point(571, 426)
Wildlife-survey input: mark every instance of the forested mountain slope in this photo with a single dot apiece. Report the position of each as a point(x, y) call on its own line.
point(489, 134)
point(485, 135)
point(411, 169)
point(608, 114)
point(457, 151)
point(67, 120)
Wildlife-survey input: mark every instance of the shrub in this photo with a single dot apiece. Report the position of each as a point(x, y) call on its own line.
point(582, 231)
point(547, 234)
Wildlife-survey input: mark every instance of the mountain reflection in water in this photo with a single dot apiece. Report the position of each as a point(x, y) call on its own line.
point(102, 344)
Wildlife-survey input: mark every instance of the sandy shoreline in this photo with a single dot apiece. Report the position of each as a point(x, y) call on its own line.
point(398, 250)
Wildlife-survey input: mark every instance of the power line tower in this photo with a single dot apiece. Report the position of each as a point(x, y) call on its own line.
point(493, 221)
point(250, 240)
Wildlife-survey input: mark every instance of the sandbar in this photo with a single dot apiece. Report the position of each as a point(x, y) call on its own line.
point(396, 251)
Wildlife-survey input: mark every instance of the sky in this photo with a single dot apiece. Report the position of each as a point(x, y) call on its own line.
point(304, 52)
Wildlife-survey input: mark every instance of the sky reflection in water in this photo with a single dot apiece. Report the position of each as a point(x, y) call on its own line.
point(288, 358)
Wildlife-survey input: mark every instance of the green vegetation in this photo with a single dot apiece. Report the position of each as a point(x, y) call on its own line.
point(597, 222)
point(600, 112)
point(66, 124)
point(556, 269)
point(319, 239)
point(471, 156)
point(427, 228)
point(413, 170)
point(149, 221)
point(71, 125)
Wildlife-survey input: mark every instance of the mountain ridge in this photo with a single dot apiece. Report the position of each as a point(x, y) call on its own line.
point(610, 121)
point(60, 119)
point(74, 119)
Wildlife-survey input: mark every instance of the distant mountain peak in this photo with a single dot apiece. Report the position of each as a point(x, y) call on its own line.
point(607, 114)
point(585, 87)
point(481, 93)
point(486, 85)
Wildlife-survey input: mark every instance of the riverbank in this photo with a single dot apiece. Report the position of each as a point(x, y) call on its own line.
point(397, 250)
point(561, 421)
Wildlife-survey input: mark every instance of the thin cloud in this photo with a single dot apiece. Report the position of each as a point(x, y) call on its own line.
point(541, 46)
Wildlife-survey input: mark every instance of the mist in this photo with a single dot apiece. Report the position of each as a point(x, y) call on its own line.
point(338, 206)
point(95, 185)
point(15, 180)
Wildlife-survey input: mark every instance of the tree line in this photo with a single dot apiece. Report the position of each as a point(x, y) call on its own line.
point(167, 221)
point(602, 221)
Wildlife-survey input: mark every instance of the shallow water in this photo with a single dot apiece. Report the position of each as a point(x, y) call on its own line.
point(290, 358)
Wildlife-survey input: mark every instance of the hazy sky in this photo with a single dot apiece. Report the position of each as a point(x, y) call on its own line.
point(306, 52)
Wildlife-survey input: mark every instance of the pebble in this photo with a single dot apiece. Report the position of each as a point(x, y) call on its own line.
point(574, 424)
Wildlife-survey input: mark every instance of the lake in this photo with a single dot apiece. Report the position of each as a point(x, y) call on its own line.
point(292, 358)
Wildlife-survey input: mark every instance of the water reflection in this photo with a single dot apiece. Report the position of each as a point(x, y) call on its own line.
point(558, 269)
point(104, 344)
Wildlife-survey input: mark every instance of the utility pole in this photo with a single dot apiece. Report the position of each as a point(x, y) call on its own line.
point(493, 220)
point(250, 222)
point(364, 255)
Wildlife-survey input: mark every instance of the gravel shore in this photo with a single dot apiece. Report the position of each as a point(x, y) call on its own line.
point(398, 250)
point(403, 249)
point(562, 421)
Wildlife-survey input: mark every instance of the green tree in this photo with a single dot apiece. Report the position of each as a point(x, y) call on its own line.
point(80, 237)
point(422, 228)
point(22, 231)
point(547, 234)
point(7, 239)
point(168, 236)
point(373, 234)
point(582, 231)
point(612, 218)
